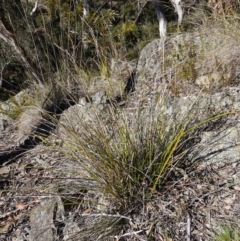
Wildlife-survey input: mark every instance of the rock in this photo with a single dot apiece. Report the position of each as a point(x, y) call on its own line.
point(21, 107)
point(189, 62)
point(121, 69)
point(28, 123)
point(114, 82)
point(42, 219)
point(206, 105)
point(219, 147)
point(99, 97)
point(17, 101)
point(27, 111)
point(71, 230)
point(85, 111)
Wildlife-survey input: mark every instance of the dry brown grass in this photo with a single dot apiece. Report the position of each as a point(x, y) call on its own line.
point(222, 7)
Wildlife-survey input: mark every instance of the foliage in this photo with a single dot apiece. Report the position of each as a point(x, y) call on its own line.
point(228, 233)
point(108, 29)
point(130, 155)
point(16, 105)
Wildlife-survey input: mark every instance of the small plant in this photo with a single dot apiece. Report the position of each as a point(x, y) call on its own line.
point(228, 234)
point(130, 155)
point(16, 105)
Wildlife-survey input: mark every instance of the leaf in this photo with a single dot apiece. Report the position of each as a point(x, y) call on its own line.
point(237, 188)
point(227, 207)
point(21, 206)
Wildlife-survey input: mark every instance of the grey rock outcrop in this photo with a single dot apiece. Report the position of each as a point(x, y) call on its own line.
point(188, 63)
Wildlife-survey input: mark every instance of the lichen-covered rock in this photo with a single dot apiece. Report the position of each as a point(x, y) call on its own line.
point(42, 219)
point(189, 63)
point(28, 123)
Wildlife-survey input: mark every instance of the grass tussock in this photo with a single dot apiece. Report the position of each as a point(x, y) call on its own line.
point(132, 157)
point(130, 154)
point(227, 233)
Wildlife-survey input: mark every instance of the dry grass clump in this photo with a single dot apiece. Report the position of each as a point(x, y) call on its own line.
point(131, 155)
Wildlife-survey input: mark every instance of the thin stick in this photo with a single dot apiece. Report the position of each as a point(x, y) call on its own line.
point(104, 215)
point(129, 234)
point(188, 227)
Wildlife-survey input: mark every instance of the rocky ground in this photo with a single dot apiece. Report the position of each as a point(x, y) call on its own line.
point(42, 198)
point(45, 195)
